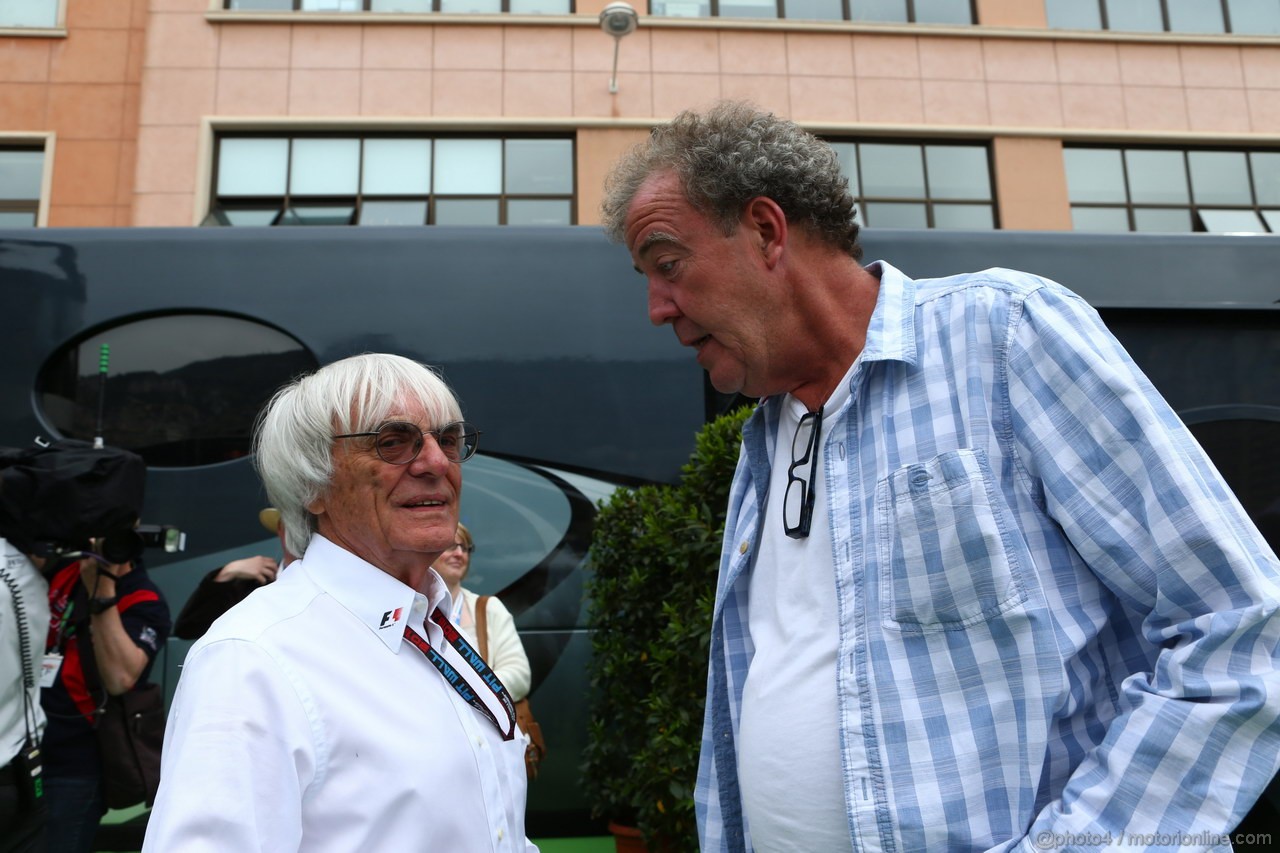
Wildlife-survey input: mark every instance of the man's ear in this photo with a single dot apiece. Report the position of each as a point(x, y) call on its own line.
point(766, 224)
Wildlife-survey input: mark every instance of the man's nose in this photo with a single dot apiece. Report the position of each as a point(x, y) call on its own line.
point(431, 459)
point(661, 308)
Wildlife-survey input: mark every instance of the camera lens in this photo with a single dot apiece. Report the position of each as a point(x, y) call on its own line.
point(121, 546)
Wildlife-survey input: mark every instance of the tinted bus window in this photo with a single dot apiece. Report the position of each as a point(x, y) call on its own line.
point(180, 390)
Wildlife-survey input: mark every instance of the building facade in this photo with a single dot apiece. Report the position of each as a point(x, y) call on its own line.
point(1019, 114)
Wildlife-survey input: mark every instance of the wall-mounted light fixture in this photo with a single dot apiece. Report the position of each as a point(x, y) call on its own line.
point(618, 19)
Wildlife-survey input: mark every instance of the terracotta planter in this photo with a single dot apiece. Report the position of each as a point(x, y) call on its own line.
point(627, 838)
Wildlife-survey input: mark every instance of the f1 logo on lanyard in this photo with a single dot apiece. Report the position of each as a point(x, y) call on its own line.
point(490, 697)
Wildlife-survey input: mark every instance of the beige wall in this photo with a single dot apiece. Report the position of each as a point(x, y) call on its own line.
point(83, 88)
point(202, 70)
point(496, 74)
point(598, 149)
point(1031, 184)
point(1012, 13)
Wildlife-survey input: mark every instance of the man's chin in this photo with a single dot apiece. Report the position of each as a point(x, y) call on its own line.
point(726, 382)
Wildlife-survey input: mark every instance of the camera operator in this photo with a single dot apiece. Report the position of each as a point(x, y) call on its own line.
point(106, 623)
point(24, 614)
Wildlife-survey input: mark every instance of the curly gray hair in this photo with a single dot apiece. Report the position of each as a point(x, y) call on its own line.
point(730, 154)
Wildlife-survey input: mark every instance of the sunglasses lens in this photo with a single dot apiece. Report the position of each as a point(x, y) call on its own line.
point(801, 442)
point(458, 441)
point(793, 504)
point(398, 443)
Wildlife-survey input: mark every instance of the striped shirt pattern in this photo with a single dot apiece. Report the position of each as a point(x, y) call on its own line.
point(1057, 626)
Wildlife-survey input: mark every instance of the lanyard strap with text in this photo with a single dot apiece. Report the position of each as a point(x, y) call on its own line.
point(494, 705)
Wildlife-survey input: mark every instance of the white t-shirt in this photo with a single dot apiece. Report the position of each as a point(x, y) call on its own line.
point(15, 713)
point(305, 722)
point(789, 736)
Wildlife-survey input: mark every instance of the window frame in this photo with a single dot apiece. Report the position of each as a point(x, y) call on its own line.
point(283, 203)
point(860, 197)
point(58, 25)
point(366, 6)
point(1191, 206)
point(1225, 5)
point(35, 206)
point(780, 8)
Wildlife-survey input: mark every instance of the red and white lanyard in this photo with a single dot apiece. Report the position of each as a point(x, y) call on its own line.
point(493, 700)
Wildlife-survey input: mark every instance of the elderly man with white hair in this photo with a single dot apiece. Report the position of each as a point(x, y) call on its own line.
point(338, 709)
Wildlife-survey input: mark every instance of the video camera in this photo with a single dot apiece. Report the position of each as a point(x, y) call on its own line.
point(121, 546)
point(57, 497)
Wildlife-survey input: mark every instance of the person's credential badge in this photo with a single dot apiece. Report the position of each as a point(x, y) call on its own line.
point(49, 669)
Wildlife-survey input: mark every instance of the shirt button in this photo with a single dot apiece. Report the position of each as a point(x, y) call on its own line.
point(500, 834)
point(742, 549)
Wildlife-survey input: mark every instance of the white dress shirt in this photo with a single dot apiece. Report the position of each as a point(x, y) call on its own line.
point(303, 721)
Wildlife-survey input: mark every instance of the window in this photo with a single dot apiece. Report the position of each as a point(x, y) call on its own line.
point(393, 180)
point(515, 7)
point(182, 389)
point(21, 174)
point(37, 14)
point(908, 185)
point(1247, 17)
point(1159, 189)
point(888, 11)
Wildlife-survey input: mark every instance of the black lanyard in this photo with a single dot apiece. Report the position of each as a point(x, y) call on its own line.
point(471, 658)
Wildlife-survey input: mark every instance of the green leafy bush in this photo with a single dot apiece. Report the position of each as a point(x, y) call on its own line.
point(655, 553)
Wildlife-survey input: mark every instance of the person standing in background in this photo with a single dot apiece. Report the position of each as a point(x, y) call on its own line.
point(227, 586)
point(506, 652)
point(107, 623)
point(24, 618)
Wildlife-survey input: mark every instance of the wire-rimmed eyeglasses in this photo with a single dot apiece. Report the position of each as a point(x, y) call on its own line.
point(797, 503)
point(464, 548)
point(399, 442)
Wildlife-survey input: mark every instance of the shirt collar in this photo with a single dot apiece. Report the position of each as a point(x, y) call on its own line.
point(891, 332)
point(385, 605)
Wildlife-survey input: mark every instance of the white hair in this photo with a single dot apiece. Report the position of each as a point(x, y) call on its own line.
point(293, 437)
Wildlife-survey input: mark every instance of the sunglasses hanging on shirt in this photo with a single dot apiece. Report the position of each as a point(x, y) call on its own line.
point(797, 503)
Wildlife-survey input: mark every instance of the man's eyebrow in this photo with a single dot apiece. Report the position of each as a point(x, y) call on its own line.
point(651, 240)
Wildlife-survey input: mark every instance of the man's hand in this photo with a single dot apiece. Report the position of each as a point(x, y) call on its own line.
point(259, 569)
point(120, 661)
point(99, 579)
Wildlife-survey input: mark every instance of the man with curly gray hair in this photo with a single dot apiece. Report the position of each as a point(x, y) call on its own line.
point(732, 154)
point(339, 708)
point(980, 589)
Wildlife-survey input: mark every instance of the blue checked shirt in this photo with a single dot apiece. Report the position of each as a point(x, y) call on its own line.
point(1057, 627)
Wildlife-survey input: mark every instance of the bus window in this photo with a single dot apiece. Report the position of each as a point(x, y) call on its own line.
point(181, 389)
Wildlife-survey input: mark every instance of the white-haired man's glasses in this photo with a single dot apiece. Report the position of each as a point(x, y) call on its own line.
point(399, 442)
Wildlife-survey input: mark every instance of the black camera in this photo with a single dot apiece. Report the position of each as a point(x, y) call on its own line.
point(57, 497)
point(122, 546)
